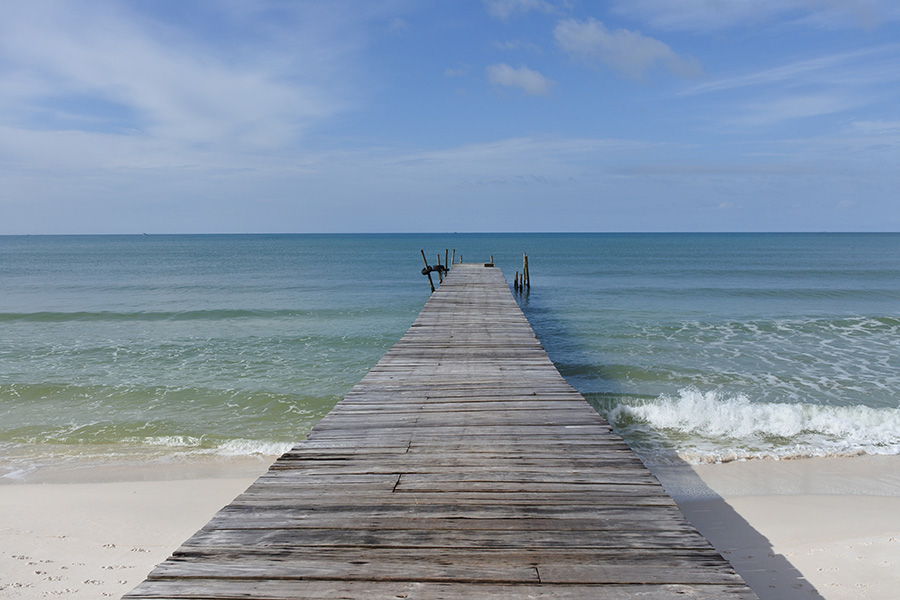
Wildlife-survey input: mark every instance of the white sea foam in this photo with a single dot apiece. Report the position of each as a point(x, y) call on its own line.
point(17, 474)
point(173, 441)
point(234, 447)
point(709, 426)
point(253, 448)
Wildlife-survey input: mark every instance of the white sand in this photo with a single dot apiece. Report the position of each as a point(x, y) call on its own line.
point(101, 539)
point(812, 528)
point(815, 528)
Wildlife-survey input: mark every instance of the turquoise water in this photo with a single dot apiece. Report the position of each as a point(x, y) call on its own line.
point(706, 347)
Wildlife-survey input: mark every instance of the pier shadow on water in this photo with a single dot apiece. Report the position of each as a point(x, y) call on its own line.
point(769, 574)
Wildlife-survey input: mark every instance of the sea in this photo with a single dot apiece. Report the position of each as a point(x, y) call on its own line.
point(699, 348)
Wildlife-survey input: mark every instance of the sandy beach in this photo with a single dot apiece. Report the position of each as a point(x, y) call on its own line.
point(100, 538)
point(812, 528)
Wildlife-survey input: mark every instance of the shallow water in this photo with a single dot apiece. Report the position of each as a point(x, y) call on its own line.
point(708, 347)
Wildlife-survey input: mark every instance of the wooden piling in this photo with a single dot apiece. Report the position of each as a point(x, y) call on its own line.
point(430, 280)
point(526, 274)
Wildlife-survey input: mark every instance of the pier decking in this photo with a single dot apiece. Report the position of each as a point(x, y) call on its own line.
point(461, 466)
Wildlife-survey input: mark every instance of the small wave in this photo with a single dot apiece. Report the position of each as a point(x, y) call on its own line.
point(712, 426)
point(232, 447)
point(189, 315)
point(173, 441)
point(16, 474)
point(253, 448)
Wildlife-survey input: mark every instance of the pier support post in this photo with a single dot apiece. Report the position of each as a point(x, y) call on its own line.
point(430, 280)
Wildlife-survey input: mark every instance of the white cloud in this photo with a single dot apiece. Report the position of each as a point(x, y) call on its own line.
point(876, 127)
point(824, 85)
point(62, 61)
point(515, 45)
point(628, 52)
point(503, 9)
point(834, 69)
point(715, 15)
point(530, 81)
point(798, 106)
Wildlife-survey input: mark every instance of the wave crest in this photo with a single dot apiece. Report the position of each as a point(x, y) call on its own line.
point(711, 426)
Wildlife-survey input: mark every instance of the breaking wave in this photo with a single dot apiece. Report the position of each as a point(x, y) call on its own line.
point(711, 426)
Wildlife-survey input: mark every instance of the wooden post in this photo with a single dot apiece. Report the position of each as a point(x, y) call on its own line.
point(446, 257)
point(430, 280)
point(525, 274)
point(440, 272)
point(516, 282)
point(453, 260)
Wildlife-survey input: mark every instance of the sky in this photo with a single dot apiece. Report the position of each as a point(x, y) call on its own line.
point(232, 116)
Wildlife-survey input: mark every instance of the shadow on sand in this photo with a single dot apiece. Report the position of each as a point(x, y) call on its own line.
point(769, 574)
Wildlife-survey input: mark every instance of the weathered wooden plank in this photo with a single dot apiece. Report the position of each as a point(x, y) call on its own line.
point(245, 514)
point(616, 496)
point(275, 589)
point(453, 538)
point(661, 557)
point(319, 519)
point(441, 566)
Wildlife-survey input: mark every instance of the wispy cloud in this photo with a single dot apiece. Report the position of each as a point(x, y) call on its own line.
point(825, 85)
point(627, 52)
point(514, 45)
point(68, 65)
point(456, 71)
point(531, 82)
point(790, 107)
point(876, 127)
point(717, 15)
point(831, 69)
point(503, 9)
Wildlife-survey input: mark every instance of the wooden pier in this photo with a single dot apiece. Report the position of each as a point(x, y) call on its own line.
point(462, 466)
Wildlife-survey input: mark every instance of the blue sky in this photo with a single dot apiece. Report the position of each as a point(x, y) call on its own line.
point(466, 115)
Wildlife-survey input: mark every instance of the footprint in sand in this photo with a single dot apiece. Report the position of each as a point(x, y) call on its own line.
point(18, 585)
point(61, 592)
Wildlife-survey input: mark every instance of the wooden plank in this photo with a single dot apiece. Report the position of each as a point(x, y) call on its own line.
point(461, 466)
point(451, 538)
point(223, 588)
